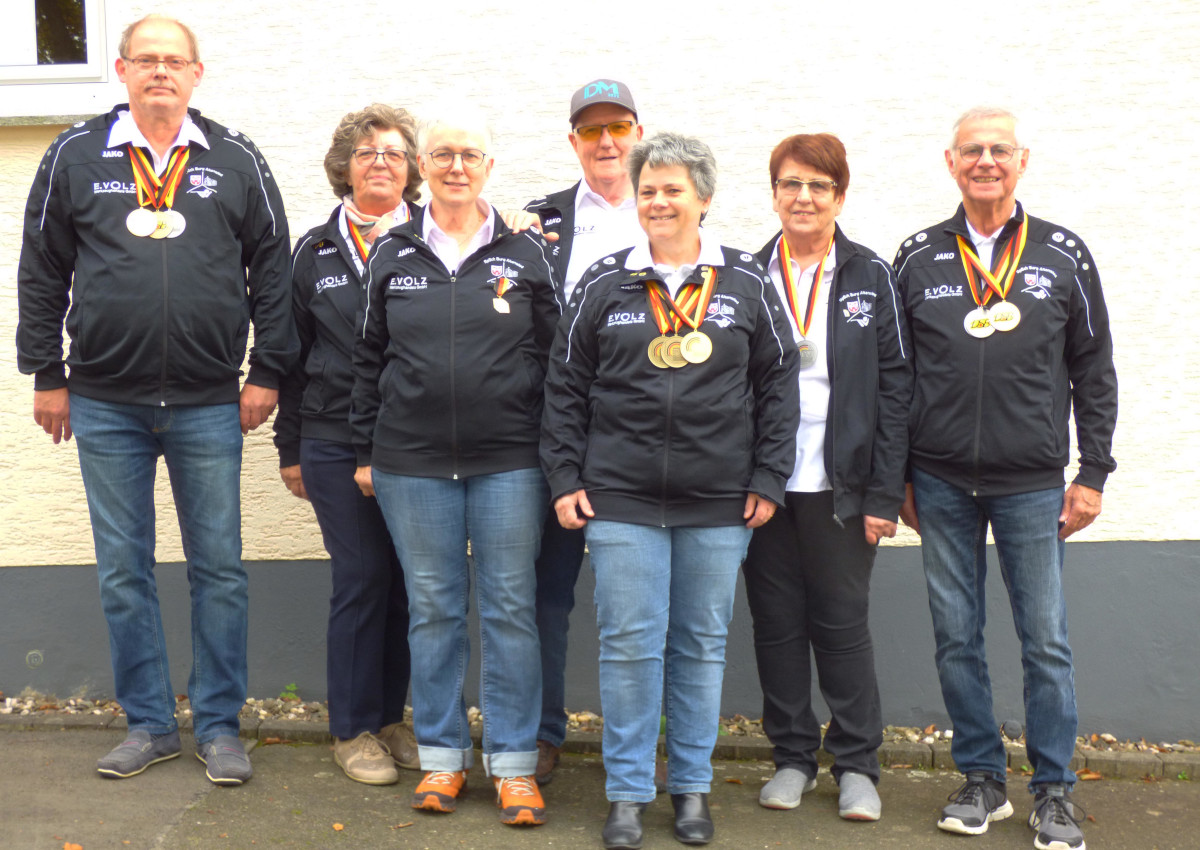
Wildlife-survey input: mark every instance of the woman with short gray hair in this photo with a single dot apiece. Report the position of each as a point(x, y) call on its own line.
point(669, 432)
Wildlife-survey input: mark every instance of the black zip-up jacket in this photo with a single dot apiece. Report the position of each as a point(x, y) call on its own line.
point(154, 321)
point(672, 447)
point(314, 398)
point(557, 212)
point(870, 383)
point(445, 385)
point(991, 416)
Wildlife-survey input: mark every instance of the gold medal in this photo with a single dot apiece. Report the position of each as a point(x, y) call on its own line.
point(177, 221)
point(654, 351)
point(696, 347)
point(162, 227)
point(808, 353)
point(672, 353)
point(500, 305)
point(1004, 316)
point(978, 324)
point(141, 222)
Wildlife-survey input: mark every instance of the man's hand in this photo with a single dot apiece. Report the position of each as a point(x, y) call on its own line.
point(908, 511)
point(293, 481)
point(573, 509)
point(758, 510)
point(518, 220)
point(52, 410)
point(362, 477)
point(876, 528)
point(255, 406)
point(1081, 505)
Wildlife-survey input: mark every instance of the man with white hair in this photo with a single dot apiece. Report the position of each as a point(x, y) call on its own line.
point(1010, 333)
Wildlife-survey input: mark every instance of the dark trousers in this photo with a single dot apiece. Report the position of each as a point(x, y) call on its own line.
point(808, 581)
point(367, 666)
point(557, 570)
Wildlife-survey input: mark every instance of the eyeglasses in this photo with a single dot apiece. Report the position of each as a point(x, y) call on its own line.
point(1000, 153)
point(444, 158)
point(369, 156)
point(616, 129)
point(149, 63)
point(789, 186)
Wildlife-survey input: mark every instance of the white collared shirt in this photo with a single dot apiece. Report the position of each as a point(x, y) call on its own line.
point(810, 475)
point(600, 229)
point(639, 258)
point(985, 245)
point(446, 247)
point(125, 131)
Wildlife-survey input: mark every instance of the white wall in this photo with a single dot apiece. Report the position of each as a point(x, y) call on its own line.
point(1104, 89)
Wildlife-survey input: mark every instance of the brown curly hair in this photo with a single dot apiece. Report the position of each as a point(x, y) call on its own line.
point(356, 126)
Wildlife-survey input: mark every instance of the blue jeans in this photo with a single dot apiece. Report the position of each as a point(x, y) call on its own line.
point(664, 598)
point(367, 638)
point(953, 537)
point(431, 520)
point(119, 446)
point(557, 571)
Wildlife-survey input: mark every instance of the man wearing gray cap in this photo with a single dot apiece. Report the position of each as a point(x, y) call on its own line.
point(593, 218)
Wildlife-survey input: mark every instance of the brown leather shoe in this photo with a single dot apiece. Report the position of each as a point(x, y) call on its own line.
point(401, 743)
point(548, 756)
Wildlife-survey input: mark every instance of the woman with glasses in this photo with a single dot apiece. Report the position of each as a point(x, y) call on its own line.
point(668, 435)
point(372, 168)
point(449, 365)
point(808, 573)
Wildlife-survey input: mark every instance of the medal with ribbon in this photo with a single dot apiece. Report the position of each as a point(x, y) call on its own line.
point(154, 216)
point(1003, 316)
point(807, 348)
point(670, 314)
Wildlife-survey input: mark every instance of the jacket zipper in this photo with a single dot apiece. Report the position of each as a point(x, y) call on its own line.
point(162, 377)
point(978, 422)
point(831, 364)
point(662, 520)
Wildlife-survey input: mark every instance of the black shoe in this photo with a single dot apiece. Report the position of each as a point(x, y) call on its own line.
point(693, 824)
point(623, 829)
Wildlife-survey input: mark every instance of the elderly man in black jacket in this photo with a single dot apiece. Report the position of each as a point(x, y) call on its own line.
point(1010, 333)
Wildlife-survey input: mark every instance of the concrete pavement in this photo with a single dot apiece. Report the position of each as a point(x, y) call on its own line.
point(51, 796)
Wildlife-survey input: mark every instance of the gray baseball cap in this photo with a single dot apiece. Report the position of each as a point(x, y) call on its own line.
point(601, 91)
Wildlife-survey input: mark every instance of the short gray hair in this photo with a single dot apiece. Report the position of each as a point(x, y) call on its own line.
point(457, 116)
point(356, 127)
point(127, 35)
point(976, 113)
point(666, 149)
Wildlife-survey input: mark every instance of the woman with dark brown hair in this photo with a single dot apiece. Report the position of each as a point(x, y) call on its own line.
point(808, 573)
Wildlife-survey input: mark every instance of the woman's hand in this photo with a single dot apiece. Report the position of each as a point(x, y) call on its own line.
point(293, 481)
point(759, 509)
point(876, 529)
point(572, 509)
point(362, 477)
point(518, 220)
point(908, 511)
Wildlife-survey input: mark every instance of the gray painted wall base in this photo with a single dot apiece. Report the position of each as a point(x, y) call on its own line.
point(1132, 608)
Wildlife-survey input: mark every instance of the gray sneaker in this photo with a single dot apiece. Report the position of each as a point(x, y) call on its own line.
point(226, 760)
point(979, 801)
point(1056, 819)
point(786, 788)
point(137, 752)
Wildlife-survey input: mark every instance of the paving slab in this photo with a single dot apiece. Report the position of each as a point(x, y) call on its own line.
point(50, 794)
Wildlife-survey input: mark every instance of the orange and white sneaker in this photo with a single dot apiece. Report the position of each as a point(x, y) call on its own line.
point(439, 790)
point(519, 800)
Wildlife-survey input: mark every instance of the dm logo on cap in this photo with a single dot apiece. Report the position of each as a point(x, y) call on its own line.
point(600, 87)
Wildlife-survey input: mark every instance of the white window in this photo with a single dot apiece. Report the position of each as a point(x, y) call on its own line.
point(54, 59)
